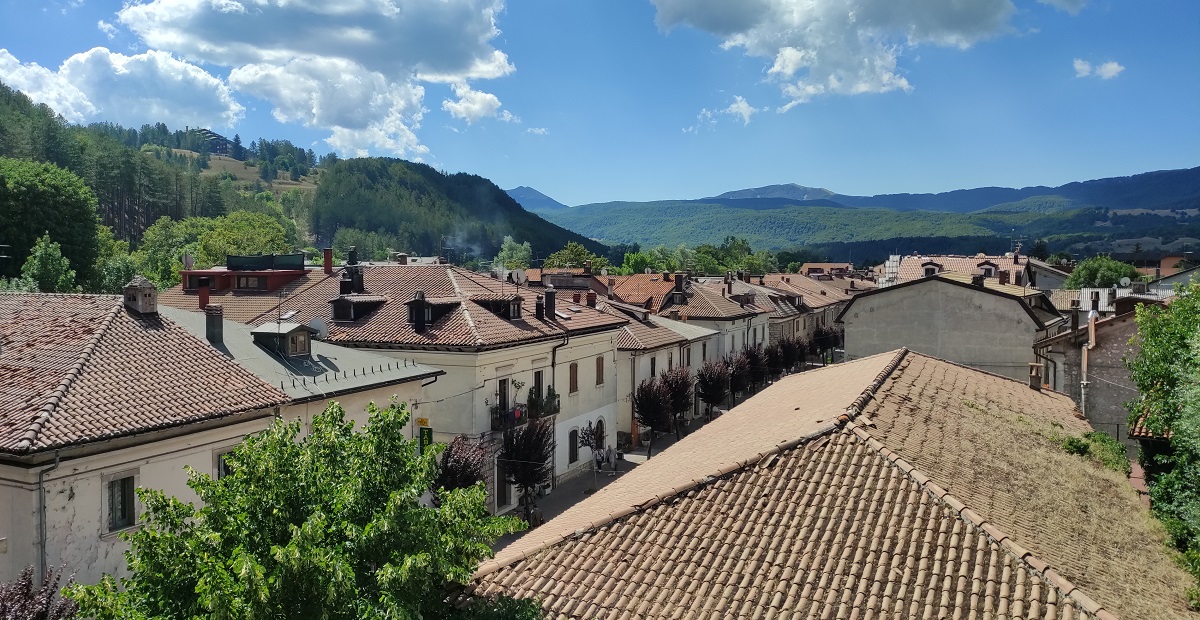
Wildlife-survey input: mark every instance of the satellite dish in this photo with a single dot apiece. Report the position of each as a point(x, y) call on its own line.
point(604, 271)
point(1125, 282)
point(519, 276)
point(649, 270)
point(321, 327)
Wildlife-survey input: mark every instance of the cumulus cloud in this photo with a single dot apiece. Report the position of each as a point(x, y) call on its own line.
point(1104, 71)
point(839, 47)
point(107, 28)
point(739, 107)
point(1083, 68)
point(1109, 70)
point(354, 67)
point(537, 131)
point(103, 85)
point(473, 105)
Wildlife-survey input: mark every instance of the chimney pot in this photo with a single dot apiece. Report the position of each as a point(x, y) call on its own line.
point(680, 278)
point(539, 308)
point(575, 297)
point(977, 280)
point(550, 295)
point(612, 283)
point(328, 260)
point(352, 256)
point(202, 291)
point(214, 323)
point(591, 299)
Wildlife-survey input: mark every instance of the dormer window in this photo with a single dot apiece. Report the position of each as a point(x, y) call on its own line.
point(987, 269)
point(931, 268)
point(290, 339)
point(514, 309)
point(298, 343)
point(251, 283)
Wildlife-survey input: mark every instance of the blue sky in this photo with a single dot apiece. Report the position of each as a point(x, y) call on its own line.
point(599, 100)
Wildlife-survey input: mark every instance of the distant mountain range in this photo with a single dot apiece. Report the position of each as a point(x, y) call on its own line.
point(1161, 205)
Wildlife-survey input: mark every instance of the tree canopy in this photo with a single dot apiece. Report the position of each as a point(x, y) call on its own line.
point(575, 255)
point(325, 525)
point(38, 199)
point(1100, 272)
point(514, 255)
point(48, 269)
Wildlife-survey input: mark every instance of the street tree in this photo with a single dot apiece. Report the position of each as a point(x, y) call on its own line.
point(712, 384)
point(328, 524)
point(652, 408)
point(463, 465)
point(514, 255)
point(526, 458)
point(756, 360)
point(680, 388)
point(739, 373)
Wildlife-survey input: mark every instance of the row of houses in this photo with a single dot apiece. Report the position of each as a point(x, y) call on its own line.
point(104, 394)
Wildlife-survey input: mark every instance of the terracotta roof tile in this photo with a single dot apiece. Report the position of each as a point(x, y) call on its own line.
point(774, 510)
point(464, 319)
point(911, 267)
point(816, 294)
point(78, 368)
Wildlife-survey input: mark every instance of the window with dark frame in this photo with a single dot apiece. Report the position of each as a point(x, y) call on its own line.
point(121, 507)
point(502, 394)
point(704, 351)
point(573, 446)
point(600, 370)
point(670, 361)
point(574, 377)
point(537, 383)
point(222, 466)
point(652, 365)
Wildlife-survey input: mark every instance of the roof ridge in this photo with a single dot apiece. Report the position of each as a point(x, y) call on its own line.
point(1038, 566)
point(465, 310)
point(989, 373)
point(55, 398)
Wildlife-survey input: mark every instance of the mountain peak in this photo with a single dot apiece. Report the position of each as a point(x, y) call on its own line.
point(790, 191)
point(533, 200)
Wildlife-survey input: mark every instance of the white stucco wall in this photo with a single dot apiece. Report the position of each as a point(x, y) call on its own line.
point(956, 323)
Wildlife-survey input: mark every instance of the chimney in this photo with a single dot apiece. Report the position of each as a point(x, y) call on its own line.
point(1074, 317)
point(141, 295)
point(539, 309)
point(852, 287)
point(977, 280)
point(587, 267)
point(328, 252)
point(1035, 376)
point(1002, 276)
point(402, 258)
point(674, 313)
point(666, 276)
point(202, 291)
point(575, 297)
point(612, 283)
point(680, 278)
point(591, 299)
point(346, 284)
point(1096, 301)
point(1017, 256)
point(550, 295)
point(214, 323)
point(357, 280)
point(352, 256)
point(762, 280)
point(418, 311)
point(728, 287)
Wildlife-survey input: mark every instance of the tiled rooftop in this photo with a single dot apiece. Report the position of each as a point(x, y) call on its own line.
point(895, 486)
point(640, 334)
point(79, 368)
point(817, 294)
point(466, 322)
point(911, 267)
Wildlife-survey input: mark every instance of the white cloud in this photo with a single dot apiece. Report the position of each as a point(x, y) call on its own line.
point(1070, 6)
point(131, 90)
point(703, 119)
point(1109, 70)
point(739, 107)
point(354, 67)
point(537, 131)
point(1104, 71)
point(473, 105)
point(107, 28)
point(839, 47)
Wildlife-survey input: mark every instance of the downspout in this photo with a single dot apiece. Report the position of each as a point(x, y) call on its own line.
point(1083, 351)
point(633, 425)
point(554, 384)
point(42, 515)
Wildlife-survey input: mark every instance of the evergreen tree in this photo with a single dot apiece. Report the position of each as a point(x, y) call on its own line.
point(236, 150)
point(48, 269)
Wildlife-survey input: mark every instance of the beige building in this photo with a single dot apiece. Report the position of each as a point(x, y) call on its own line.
point(969, 320)
point(495, 341)
point(104, 396)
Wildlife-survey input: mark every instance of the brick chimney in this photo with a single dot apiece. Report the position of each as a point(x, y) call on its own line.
point(591, 299)
point(550, 295)
point(576, 296)
point(202, 291)
point(214, 323)
point(1002, 276)
point(328, 256)
point(977, 280)
point(612, 284)
point(680, 279)
point(539, 308)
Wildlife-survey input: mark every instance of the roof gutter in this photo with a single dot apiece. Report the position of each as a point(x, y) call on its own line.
point(42, 515)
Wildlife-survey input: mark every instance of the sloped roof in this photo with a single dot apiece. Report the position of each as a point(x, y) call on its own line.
point(817, 294)
point(245, 307)
point(636, 289)
point(639, 334)
point(1034, 302)
point(911, 267)
point(81, 368)
point(765, 297)
point(466, 321)
point(897, 485)
point(707, 303)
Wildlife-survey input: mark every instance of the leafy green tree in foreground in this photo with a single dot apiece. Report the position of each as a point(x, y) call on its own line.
point(575, 255)
point(38, 199)
point(1100, 272)
point(328, 525)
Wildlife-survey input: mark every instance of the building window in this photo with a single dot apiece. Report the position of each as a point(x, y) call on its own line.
point(298, 343)
point(930, 271)
point(220, 465)
point(502, 394)
point(600, 370)
point(121, 503)
point(704, 351)
point(687, 356)
point(574, 377)
point(573, 446)
point(537, 383)
point(251, 282)
point(652, 365)
point(670, 361)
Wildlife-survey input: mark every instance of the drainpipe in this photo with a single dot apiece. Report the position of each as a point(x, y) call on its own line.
point(633, 425)
point(554, 383)
point(42, 516)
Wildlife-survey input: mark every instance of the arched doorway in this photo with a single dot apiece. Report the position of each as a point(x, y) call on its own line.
point(601, 441)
